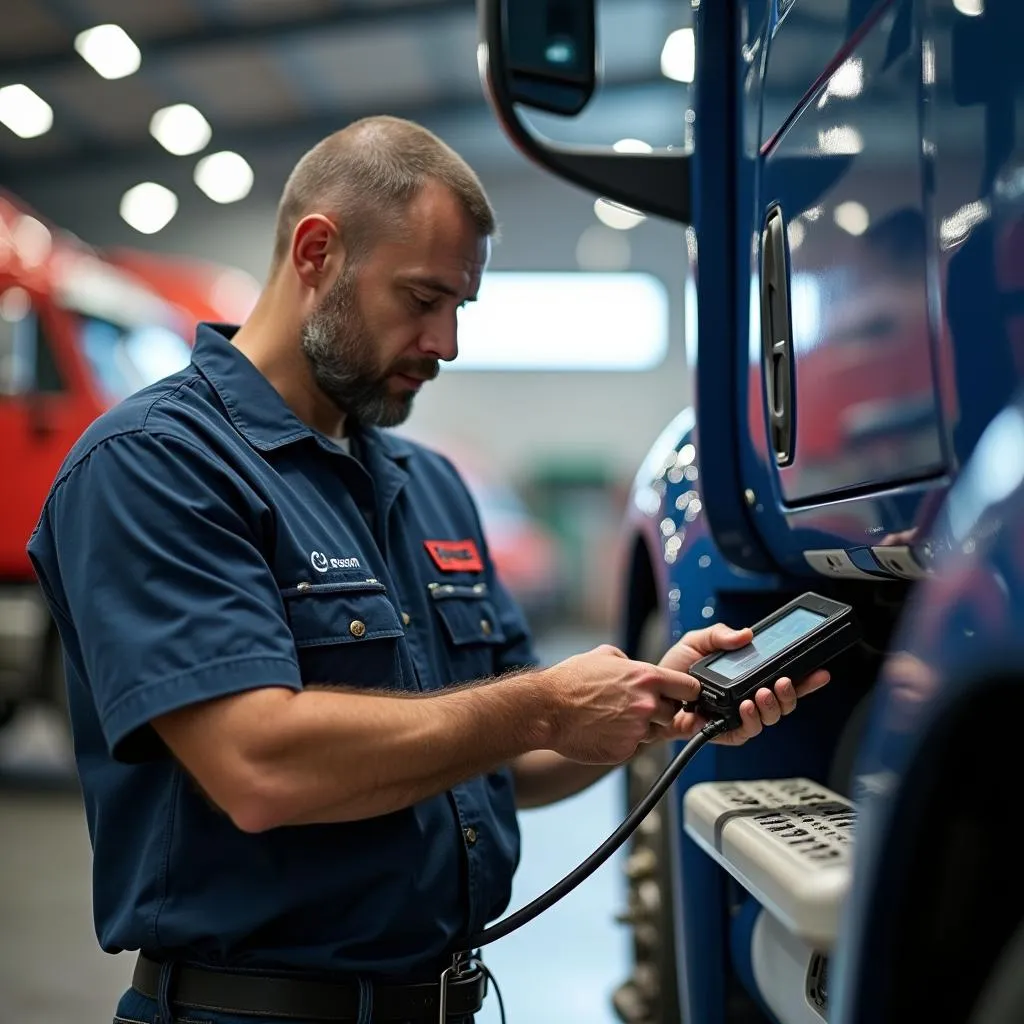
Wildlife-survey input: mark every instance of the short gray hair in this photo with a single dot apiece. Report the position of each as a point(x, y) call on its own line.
point(367, 174)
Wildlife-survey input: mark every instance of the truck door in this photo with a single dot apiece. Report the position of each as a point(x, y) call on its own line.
point(41, 416)
point(846, 396)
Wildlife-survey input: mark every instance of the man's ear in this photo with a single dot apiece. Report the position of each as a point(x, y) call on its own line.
point(316, 249)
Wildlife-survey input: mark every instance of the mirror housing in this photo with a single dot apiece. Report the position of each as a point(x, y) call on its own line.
point(541, 54)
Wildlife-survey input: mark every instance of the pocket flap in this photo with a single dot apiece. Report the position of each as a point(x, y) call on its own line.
point(467, 613)
point(338, 613)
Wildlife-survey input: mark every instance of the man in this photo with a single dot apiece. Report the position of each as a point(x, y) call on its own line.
point(304, 707)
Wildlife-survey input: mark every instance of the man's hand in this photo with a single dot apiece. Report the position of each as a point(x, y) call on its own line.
point(766, 708)
point(606, 705)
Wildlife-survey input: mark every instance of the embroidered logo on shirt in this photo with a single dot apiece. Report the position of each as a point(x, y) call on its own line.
point(455, 555)
point(322, 563)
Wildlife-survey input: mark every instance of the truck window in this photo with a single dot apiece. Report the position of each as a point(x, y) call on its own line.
point(124, 358)
point(27, 360)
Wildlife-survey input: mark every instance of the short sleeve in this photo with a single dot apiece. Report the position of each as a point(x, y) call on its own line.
point(154, 551)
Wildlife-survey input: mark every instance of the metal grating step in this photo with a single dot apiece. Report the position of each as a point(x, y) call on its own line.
point(789, 842)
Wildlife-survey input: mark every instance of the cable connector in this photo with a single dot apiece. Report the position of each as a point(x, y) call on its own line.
point(715, 728)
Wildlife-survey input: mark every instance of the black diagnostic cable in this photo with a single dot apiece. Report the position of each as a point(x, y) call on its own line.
point(588, 866)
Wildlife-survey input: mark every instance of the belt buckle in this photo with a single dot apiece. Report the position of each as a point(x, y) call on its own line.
point(458, 966)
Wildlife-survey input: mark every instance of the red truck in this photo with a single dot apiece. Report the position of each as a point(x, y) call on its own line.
point(77, 334)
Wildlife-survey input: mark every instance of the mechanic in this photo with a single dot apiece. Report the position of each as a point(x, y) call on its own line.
point(304, 707)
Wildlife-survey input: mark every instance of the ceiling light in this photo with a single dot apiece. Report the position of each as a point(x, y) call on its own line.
point(852, 217)
point(617, 216)
point(972, 8)
point(148, 207)
point(633, 146)
point(678, 56)
point(225, 177)
point(110, 51)
point(180, 129)
point(24, 112)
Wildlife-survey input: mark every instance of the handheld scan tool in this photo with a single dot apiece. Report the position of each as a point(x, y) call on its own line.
point(794, 641)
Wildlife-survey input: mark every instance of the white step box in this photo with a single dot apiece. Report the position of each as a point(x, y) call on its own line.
point(787, 841)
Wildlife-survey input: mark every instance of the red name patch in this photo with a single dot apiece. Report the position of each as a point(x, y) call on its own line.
point(455, 555)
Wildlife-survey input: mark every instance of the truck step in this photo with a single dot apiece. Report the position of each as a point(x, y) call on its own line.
point(787, 841)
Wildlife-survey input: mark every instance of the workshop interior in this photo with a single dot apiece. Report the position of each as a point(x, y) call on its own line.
point(748, 349)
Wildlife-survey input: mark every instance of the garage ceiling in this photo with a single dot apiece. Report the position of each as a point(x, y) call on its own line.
point(274, 76)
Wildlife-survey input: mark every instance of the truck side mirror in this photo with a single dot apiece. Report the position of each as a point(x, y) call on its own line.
point(549, 58)
point(542, 54)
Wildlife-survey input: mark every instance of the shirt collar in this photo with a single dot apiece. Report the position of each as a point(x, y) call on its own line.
point(255, 408)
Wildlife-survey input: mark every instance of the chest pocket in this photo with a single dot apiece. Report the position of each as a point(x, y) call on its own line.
point(345, 632)
point(470, 627)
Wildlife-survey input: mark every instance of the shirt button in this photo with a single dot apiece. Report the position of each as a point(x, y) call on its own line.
point(357, 628)
point(485, 627)
point(405, 619)
point(470, 834)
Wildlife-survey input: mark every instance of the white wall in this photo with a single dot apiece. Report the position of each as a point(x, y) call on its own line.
point(511, 418)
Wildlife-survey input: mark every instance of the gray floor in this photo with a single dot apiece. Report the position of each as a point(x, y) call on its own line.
point(560, 969)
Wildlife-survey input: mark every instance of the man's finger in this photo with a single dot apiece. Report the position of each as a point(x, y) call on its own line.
point(785, 694)
point(815, 681)
point(718, 638)
point(677, 685)
point(767, 706)
point(665, 712)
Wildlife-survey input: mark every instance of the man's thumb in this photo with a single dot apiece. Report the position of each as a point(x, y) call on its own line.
point(723, 636)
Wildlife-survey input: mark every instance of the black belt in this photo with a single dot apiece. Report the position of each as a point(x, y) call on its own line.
point(305, 998)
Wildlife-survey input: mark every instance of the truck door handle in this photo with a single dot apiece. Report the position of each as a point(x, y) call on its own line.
point(777, 337)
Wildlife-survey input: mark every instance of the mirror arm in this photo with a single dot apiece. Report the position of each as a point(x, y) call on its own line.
point(656, 183)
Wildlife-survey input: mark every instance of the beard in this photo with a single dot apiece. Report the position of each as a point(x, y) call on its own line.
point(342, 353)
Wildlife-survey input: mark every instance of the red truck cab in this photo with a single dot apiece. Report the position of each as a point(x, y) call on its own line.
point(77, 334)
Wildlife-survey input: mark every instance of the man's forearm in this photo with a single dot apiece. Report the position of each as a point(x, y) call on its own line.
point(544, 777)
point(345, 755)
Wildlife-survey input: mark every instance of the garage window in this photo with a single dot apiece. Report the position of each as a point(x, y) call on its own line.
point(565, 321)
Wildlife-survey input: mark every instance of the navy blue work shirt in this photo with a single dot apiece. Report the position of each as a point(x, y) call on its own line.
point(199, 541)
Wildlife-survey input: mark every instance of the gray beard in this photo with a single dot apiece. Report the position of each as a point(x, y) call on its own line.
point(340, 351)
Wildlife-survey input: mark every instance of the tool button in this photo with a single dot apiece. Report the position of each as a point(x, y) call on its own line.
point(470, 834)
point(357, 628)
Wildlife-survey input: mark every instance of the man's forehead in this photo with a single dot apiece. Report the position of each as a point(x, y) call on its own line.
point(452, 271)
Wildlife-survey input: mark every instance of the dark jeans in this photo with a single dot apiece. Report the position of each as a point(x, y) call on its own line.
point(135, 1008)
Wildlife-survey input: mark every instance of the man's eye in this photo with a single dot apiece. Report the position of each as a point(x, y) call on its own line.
point(424, 305)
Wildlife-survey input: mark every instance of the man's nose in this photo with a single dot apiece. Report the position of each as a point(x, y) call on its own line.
point(441, 340)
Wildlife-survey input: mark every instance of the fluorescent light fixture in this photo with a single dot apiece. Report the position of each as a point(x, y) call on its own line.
point(633, 146)
point(678, 56)
point(180, 129)
point(852, 217)
point(564, 321)
point(148, 207)
point(842, 140)
point(24, 112)
point(622, 218)
point(225, 177)
point(972, 8)
point(109, 50)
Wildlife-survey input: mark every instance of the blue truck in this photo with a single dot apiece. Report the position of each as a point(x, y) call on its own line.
point(855, 247)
